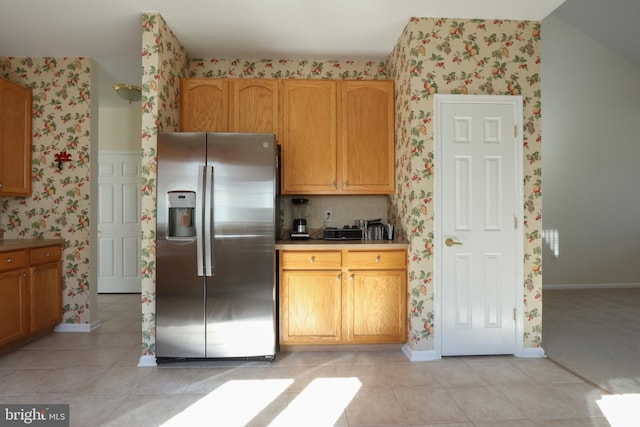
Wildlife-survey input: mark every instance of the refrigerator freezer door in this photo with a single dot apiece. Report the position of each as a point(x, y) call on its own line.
point(180, 291)
point(240, 313)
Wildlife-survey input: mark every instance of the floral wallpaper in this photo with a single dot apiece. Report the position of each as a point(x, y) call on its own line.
point(163, 63)
point(287, 69)
point(459, 56)
point(59, 204)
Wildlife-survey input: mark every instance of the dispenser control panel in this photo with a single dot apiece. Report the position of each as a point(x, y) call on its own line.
point(182, 199)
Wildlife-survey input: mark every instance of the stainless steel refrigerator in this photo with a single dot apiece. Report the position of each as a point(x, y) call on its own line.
point(216, 231)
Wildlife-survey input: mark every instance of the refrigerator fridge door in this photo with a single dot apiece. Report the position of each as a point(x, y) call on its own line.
point(180, 291)
point(240, 295)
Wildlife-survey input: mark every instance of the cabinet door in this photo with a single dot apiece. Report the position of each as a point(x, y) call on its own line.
point(45, 292)
point(309, 156)
point(13, 306)
point(310, 307)
point(204, 105)
point(367, 137)
point(15, 139)
point(377, 306)
point(254, 106)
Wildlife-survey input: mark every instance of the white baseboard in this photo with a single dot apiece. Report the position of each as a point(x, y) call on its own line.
point(420, 355)
point(531, 353)
point(147, 361)
point(77, 327)
point(591, 286)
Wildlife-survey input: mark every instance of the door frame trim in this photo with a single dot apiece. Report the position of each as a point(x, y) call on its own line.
point(517, 102)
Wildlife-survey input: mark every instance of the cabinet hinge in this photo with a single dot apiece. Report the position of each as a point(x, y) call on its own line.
point(515, 222)
point(515, 131)
point(515, 315)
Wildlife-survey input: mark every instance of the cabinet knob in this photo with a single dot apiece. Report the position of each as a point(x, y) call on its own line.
point(312, 259)
point(0, 185)
point(339, 277)
point(351, 277)
point(378, 258)
point(345, 184)
point(35, 272)
point(47, 254)
point(24, 274)
point(9, 260)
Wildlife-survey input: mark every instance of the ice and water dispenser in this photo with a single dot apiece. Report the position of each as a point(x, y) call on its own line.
point(182, 207)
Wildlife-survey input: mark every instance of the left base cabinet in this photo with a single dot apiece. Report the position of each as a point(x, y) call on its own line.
point(30, 293)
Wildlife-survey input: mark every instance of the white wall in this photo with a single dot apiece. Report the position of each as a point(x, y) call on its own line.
point(590, 160)
point(120, 128)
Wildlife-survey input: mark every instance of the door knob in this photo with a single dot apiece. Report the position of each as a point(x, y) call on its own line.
point(451, 242)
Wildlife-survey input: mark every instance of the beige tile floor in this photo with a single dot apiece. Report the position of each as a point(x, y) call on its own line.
point(96, 374)
point(596, 333)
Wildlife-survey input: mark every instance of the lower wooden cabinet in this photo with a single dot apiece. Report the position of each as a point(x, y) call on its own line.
point(343, 297)
point(313, 306)
point(377, 306)
point(13, 306)
point(45, 290)
point(30, 292)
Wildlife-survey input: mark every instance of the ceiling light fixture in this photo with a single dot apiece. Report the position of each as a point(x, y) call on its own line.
point(128, 92)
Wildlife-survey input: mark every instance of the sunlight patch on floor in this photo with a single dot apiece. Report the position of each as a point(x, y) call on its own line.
point(235, 403)
point(320, 404)
point(621, 410)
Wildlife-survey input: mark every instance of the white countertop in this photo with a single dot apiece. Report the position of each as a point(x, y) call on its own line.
point(304, 245)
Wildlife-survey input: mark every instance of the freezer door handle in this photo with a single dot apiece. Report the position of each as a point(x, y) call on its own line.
point(198, 220)
point(208, 220)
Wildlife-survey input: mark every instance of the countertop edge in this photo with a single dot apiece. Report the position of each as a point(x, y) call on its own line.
point(17, 244)
point(303, 245)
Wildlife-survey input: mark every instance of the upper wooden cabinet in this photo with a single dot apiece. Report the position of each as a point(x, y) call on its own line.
point(15, 139)
point(367, 136)
point(338, 137)
point(204, 105)
point(229, 105)
point(253, 106)
point(309, 137)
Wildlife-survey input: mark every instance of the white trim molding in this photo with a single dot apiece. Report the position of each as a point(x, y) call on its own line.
point(77, 327)
point(531, 353)
point(147, 361)
point(420, 355)
point(591, 286)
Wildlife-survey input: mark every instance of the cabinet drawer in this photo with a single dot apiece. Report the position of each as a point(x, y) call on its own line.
point(46, 255)
point(382, 260)
point(13, 259)
point(316, 260)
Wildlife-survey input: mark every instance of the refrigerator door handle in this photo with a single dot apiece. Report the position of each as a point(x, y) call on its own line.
point(198, 220)
point(208, 220)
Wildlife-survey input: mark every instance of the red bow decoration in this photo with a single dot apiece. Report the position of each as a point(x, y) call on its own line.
point(61, 157)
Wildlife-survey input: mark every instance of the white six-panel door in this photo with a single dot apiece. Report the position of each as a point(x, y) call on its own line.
point(478, 223)
point(119, 222)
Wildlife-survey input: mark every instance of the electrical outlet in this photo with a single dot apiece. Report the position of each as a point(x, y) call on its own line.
point(328, 216)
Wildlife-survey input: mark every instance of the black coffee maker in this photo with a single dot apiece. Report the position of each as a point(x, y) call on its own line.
point(300, 229)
